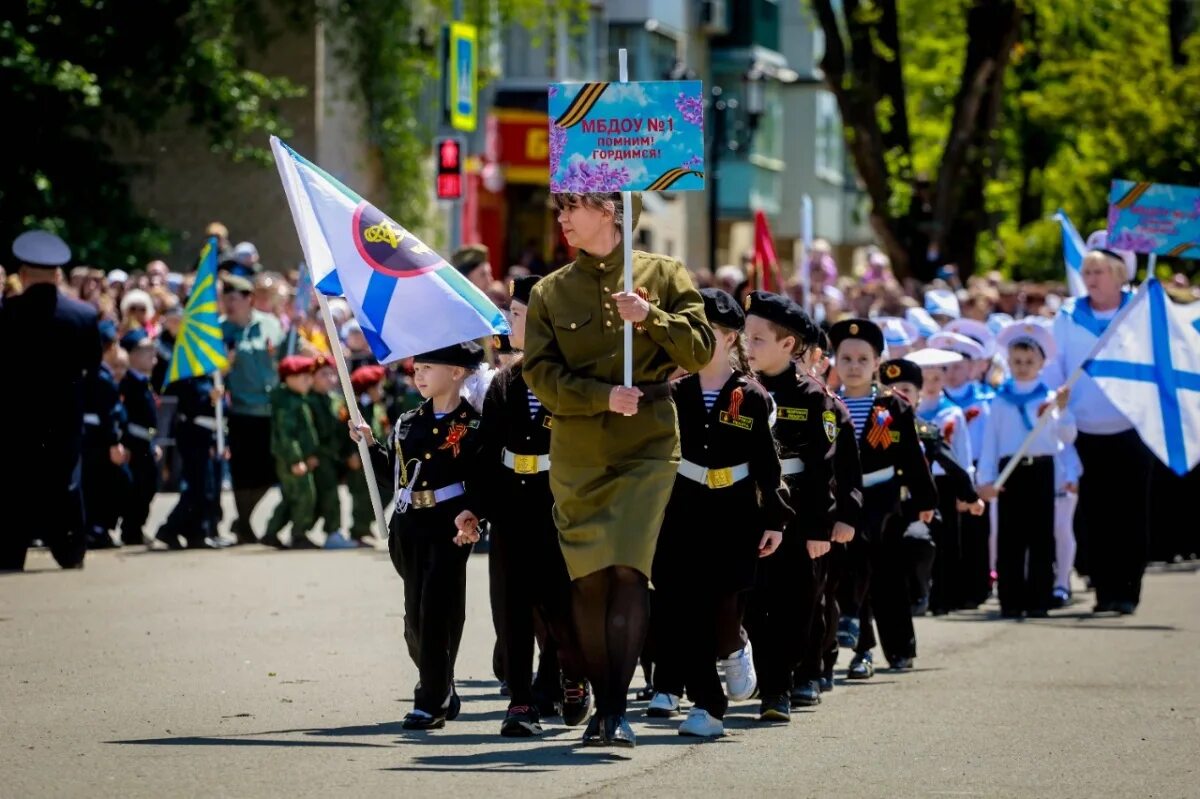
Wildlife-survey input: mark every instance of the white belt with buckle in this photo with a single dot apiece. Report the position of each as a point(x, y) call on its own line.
point(91, 419)
point(144, 433)
point(427, 499)
point(207, 422)
point(878, 476)
point(525, 464)
point(792, 466)
point(714, 478)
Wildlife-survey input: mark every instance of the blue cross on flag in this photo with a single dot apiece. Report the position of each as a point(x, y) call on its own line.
point(1073, 252)
point(405, 296)
point(1150, 369)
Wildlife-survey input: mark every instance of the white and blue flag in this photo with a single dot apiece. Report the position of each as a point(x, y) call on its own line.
point(1073, 252)
point(407, 298)
point(1150, 369)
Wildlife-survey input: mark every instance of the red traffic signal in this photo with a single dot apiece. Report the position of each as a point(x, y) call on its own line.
point(449, 154)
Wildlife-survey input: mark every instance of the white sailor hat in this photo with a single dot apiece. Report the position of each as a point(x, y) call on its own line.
point(969, 348)
point(41, 249)
point(976, 330)
point(1099, 241)
point(942, 302)
point(931, 356)
point(924, 323)
point(897, 332)
point(997, 321)
point(1029, 331)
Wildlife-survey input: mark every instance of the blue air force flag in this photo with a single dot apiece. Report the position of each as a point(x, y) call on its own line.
point(407, 298)
point(1150, 369)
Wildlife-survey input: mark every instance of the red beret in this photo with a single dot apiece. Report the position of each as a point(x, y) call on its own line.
point(296, 365)
point(364, 377)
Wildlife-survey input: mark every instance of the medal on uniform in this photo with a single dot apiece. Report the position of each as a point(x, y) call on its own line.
point(453, 437)
point(879, 436)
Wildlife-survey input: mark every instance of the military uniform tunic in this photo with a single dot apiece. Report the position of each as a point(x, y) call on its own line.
point(611, 474)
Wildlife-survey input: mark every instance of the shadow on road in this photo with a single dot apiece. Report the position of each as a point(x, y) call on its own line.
point(195, 740)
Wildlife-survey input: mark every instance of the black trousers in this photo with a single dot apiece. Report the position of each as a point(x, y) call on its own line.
point(779, 615)
point(887, 604)
point(812, 655)
point(697, 627)
point(529, 585)
point(434, 571)
point(974, 578)
point(196, 514)
point(143, 470)
point(251, 467)
point(950, 576)
point(1025, 546)
point(41, 506)
point(1113, 510)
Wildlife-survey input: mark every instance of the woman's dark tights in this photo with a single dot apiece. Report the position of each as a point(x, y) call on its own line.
point(612, 613)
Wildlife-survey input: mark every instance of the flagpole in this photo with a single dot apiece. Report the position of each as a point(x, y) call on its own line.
point(364, 452)
point(338, 358)
point(627, 238)
point(806, 234)
point(219, 412)
point(1071, 381)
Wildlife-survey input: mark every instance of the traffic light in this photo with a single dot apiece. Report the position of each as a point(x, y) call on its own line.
point(449, 154)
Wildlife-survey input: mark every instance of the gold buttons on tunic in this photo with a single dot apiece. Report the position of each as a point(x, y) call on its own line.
point(573, 325)
point(602, 264)
point(435, 431)
point(608, 323)
point(427, 456)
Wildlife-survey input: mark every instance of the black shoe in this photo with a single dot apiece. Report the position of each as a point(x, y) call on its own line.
point(594, 733)
point(453, 705)
point(270, 540)
point(521, 722)
point(777, 708)
point(100, 539)
point(862, 667)
point(547, 705)
point(825, 684)
point(300, 541)
point(645, 694)
point(504, 689)
point(806, 694)
point(900, 664)
point(423, 721)
point(1037, 613)
point(576, 703)
point(1124, 608)
point(920, 607)
point(618, 732)
point(1105, 607)
point(1008, 613)
point(848, 630)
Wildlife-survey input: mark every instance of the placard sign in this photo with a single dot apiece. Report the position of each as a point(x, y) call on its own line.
point(637, 136)
point(1154, 218)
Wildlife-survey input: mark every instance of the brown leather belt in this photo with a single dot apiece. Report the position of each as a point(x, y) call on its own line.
point(652, 392)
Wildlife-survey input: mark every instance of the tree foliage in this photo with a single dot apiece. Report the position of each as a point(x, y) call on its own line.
point(971, 121)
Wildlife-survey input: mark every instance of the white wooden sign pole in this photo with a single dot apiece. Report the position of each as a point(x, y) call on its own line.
point(627, 240)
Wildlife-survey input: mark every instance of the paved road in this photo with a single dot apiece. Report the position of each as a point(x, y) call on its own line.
point(252, 673)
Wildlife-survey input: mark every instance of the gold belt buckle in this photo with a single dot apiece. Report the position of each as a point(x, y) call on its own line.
point(719, 478)
point(525, 464)
point(423, 499)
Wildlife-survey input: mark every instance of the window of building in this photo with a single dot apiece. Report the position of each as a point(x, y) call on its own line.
point(830, 144)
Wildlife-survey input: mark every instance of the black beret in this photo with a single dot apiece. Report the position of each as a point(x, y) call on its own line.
point(465, 259)
point(900, 370)
point(784, 312)
point(520, 288)
point(722, 309)
point(502, 345)
point(863, 329)
point(468, 355)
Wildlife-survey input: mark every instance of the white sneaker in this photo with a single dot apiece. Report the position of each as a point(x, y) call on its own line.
point(740, 678)
point(663, 706)
point(700, 724)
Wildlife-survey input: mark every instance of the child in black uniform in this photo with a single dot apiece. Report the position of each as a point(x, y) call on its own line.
point(820, 468)
point(727, 510)
point(874, 584)
point(434, 455)
point(527, 567)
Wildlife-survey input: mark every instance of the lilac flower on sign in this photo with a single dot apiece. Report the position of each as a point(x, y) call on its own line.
point(558, 140)
point(1137, 242)
point(583, 176)
point(691, 108)
point(693, 162)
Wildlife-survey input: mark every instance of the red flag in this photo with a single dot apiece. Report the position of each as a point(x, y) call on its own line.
point(766, 265)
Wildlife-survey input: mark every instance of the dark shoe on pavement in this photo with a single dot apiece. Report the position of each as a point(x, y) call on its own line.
point(1105, 607)
point(806, 694)
point(619, 733)
point(576, 703)
point(593, 734)
point(453, 705)
point(862, 667)
point(1060, 598)
point(302, 541)
point(521, 721)
point(1124, 608)
point(1037, 613)
point(847, 632)
point(775, 708)
point(270, 540)
point(825, 684)
point(645, 693)
point(901, 664)
point(423, 721)
point(504, 689)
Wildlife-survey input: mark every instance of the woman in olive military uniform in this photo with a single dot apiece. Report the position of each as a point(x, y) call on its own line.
point(615, 450)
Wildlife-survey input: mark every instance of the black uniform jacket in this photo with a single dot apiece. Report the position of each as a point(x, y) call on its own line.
point(889, 441)
point(103, 413)
point(507, 497)
point(813, 425)
point(140, 410)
